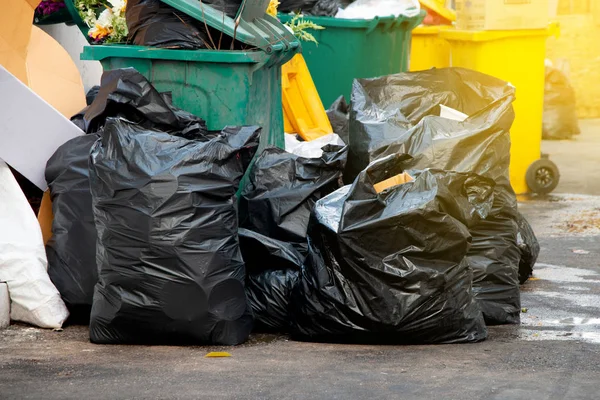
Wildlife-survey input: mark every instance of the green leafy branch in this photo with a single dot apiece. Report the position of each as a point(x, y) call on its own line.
point(300, 26)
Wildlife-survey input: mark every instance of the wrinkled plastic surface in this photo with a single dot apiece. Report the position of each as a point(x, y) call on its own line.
point(399, 114)
point(127, 93)
point(560, 107)
point(273, 268)
point(34, 299)
point(170, 267)
point(283, 189)
point(529, 247)
point(153, 23)
point(369, 9)
point(392, 266)
point(339, 114)
point(71, 250)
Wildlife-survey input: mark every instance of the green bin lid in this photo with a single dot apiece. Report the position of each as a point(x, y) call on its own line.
point(252, 25)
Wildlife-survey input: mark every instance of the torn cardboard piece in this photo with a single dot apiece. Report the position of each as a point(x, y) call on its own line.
point(399, 179)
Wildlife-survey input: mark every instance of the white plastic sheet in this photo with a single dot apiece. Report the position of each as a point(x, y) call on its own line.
point(312, 149)
point(369, 9)
point(23, 265)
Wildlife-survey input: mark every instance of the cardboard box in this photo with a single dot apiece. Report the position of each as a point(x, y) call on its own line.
point(491, 15)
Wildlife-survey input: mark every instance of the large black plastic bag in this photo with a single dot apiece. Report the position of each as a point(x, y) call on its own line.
point(392, 266)
point(127, 93)
point(273, 268)
point(170, 268)
point(400, 114)
point(283, 189)
point(529, 246)
point(153, 23)
point(560, 107)
point(71, 250)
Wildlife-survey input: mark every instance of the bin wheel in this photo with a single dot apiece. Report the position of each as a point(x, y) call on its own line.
point(542, 176)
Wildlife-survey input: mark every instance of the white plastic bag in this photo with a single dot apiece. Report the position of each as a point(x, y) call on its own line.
point(369, 9)
point(312, 149)
point(23, 265)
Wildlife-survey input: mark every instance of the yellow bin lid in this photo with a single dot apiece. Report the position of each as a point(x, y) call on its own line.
point(439, 6)
point(487, 36)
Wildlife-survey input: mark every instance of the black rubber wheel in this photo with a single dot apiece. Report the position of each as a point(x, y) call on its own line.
point(542, 176)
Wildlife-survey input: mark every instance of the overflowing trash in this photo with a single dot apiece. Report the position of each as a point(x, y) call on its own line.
point(400, 114)
point(170, 267)
point(401, 226)
point(560, 107)
point(389, 263)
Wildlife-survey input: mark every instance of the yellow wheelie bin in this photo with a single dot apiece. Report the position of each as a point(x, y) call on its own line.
point(428, 49)
point(516, 56)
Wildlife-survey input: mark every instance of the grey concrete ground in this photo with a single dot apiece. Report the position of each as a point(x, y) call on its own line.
point(554, 354)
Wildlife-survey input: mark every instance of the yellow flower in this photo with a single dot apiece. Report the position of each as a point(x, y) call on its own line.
point(99, 32)
point(272, 9)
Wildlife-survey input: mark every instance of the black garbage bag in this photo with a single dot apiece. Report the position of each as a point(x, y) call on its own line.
point(399, 114)
point(273, 268)
point(339, 114)
point(128, 94)
point(170, 267)
point(283, 188)
point(529, 246)
point(391, 266)
point(71, 250)
point(154, 23)
point(560, 107)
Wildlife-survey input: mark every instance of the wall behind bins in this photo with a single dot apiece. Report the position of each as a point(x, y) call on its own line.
point(577, 51)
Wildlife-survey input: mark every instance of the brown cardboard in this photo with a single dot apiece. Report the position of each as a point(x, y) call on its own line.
point(15, 30)
point(399, 179)
point(489, 15)
point(53, 75)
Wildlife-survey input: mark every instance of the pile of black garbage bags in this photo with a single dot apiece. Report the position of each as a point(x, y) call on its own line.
point(165, 232)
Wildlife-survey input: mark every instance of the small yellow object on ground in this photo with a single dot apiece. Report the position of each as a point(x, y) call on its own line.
point(217, 354)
